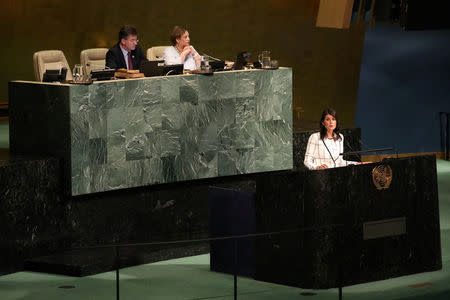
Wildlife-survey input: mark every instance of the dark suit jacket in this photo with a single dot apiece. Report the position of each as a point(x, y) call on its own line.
point(115, 59)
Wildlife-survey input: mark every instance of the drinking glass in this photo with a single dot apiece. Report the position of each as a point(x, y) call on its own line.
point(274, 63)
point(264, 59)
point(79, 73)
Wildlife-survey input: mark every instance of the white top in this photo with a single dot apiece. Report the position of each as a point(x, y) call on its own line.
point(317, 154)
point(125, 55)
point(171, 56)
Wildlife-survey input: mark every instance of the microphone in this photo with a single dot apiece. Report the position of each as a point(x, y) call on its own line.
point(367, 146)
point(348, 145)
point(210, 57)
point(99, 66)
point(368, 151)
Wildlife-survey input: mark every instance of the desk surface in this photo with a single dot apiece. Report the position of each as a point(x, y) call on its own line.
point(142, 78)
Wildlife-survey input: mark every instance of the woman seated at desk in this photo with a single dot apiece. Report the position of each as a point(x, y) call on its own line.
point(181, 51)
point(325, 146)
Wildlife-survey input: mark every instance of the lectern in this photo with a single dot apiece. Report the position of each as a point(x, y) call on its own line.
point(356, 224)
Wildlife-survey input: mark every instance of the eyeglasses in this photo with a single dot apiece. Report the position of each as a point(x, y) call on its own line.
point(133, 40)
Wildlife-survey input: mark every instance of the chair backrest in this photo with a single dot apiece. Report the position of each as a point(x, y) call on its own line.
point(49, 59)
point(156, 53)
point(93, 59)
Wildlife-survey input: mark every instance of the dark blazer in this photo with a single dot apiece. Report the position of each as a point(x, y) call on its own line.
point(115, 59)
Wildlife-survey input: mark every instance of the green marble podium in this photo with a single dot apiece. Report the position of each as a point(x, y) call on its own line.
point(129, 133)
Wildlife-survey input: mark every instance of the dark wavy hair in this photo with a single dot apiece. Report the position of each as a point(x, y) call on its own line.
point(323, 130)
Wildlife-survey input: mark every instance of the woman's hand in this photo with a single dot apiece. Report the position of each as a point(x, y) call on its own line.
point(187, 50)
point(324, 166)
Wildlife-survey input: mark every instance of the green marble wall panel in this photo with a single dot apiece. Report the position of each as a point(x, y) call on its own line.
point(132, 133)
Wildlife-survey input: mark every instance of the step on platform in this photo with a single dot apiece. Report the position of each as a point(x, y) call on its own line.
point(86, 262)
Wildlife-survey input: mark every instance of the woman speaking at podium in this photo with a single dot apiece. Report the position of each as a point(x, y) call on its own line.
point(324, 147)
point(181, 51)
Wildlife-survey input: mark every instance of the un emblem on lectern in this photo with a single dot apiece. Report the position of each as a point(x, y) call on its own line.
point(382, 177)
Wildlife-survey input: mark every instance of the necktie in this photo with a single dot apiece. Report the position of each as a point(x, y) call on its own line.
point(130, 63)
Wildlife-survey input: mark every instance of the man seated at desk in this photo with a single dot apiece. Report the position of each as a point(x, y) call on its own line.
point(126, 53)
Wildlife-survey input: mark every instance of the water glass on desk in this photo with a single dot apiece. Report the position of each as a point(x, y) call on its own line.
point(264, 59)
point(204, 64)
point(79, 74)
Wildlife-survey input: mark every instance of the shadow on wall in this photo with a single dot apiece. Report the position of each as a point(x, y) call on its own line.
point(404, 84)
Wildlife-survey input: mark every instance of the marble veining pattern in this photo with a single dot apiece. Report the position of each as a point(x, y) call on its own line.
point(159, 130)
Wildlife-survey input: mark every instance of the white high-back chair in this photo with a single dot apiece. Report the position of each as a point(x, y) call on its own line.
point(49, 59)
point(93, 59)
point(156, 53)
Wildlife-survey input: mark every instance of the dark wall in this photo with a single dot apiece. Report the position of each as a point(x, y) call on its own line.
point(325, 62)
point(404, 84)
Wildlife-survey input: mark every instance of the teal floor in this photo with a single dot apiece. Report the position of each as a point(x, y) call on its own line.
point(190, 278)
